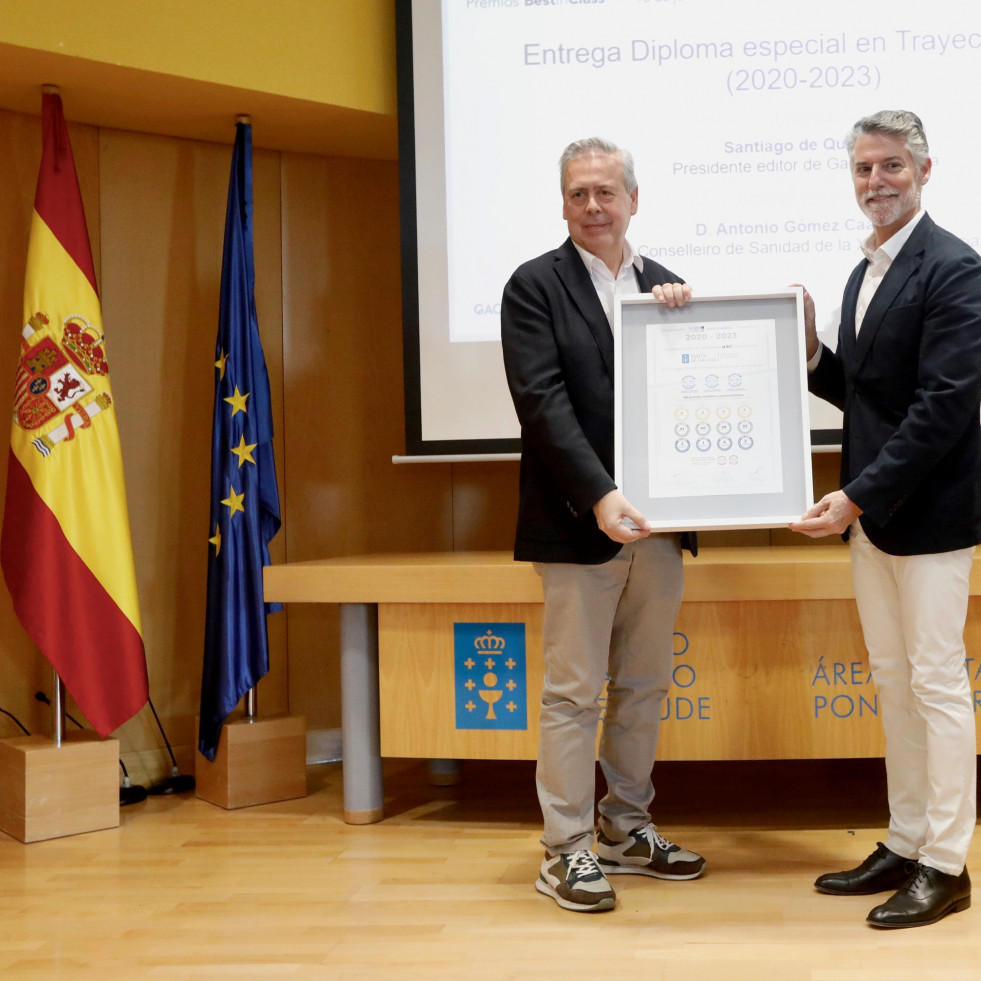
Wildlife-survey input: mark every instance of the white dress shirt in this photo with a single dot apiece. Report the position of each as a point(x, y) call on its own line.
point(880, 259)
point(607, 286)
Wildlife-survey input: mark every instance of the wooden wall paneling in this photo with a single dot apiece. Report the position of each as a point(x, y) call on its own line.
point(343, 398)
point(485, 505)
point(163, 216)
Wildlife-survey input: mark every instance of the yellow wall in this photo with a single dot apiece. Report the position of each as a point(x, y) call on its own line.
point(335, 52)
point(317, 76)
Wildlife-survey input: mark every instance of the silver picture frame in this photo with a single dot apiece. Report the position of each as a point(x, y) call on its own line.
point(711, 410)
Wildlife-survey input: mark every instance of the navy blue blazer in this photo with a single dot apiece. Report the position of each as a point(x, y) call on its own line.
point(910, 386)
point(558, 357)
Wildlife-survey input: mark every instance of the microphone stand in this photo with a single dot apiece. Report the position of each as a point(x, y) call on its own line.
point(10, 715)
point(176, 783)
point(41, 697)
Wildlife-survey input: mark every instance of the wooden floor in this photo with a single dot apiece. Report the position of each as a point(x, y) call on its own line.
point(442, 889)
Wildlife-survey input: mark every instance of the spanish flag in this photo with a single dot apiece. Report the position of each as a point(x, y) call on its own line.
point(65, 549)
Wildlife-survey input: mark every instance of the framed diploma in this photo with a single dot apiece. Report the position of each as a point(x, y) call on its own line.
point(712, 427)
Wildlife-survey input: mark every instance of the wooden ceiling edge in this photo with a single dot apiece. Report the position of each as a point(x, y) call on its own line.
point(137, 100)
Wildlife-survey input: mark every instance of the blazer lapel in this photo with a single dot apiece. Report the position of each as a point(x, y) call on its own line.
point(572, 271)
point(905, 265)
point(645, 280)
point(846, 332)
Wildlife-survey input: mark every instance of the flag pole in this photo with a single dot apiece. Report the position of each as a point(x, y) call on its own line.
point(251, 696)
point(58, 709)
point(58, 702)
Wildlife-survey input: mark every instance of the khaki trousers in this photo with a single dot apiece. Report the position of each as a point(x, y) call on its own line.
point(616, 618)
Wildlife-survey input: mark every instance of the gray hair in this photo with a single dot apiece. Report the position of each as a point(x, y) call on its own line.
point(596, 144)
point(893, 122)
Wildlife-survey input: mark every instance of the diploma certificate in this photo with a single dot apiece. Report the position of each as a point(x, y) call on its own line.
point(711, 411)
point(712, 408)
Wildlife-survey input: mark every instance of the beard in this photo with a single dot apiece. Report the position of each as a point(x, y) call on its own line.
point(887, 206)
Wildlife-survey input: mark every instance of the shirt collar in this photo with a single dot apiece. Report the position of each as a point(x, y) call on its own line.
point(629, 257)
point(892, 245)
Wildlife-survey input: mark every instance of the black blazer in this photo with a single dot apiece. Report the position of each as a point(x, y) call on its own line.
point(558, 356)
point(910, 386)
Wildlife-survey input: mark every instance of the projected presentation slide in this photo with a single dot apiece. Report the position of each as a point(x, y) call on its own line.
point(736, 116)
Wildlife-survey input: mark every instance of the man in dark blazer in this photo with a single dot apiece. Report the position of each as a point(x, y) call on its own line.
point(612, 590)
point(907, 376)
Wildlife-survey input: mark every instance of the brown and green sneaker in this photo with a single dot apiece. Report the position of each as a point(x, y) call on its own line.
point(645, 852)
point(575, 881)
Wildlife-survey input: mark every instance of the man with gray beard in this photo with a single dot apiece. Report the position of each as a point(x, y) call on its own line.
point(907, 376)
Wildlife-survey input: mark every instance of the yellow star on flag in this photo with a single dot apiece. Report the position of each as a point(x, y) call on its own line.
point(216, 541)
point(237, 401)
point(244, 451)
point(220, 364)
point(234, 501)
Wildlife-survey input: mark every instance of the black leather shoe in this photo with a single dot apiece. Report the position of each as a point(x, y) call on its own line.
point(928, 896)
point(882, 871)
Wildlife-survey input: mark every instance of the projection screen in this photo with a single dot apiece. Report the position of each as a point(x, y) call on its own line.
point(736, 116)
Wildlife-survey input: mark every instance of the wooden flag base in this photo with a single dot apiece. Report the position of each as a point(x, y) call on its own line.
point(257, 762)
point(50, 791)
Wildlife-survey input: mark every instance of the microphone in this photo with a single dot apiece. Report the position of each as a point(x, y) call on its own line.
point(175, 783)
point(10, 715)
point(41, 697)
point(129, 793)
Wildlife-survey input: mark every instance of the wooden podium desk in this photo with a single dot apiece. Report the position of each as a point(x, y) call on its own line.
point(441, 658)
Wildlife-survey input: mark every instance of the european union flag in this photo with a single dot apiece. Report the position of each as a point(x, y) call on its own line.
point(244, 494)
point(490, 678)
